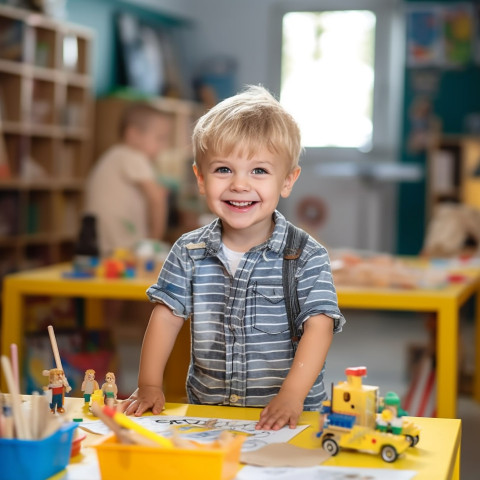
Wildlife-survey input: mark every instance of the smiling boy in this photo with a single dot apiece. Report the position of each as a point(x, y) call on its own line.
point(226, 277)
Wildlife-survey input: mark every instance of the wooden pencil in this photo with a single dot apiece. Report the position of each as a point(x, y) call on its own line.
point(14, 360)
point(56, 353)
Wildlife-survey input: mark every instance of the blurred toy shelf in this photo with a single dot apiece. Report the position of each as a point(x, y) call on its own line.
point(454, 171)
point(45, 136)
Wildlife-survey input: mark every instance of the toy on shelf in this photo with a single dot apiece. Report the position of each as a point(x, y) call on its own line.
point(356, 418)
point(89, 385)
point(109, 389)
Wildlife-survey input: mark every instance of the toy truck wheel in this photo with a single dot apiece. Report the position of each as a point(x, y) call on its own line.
point(330, 446)
point(412, 440)
point(389, 454)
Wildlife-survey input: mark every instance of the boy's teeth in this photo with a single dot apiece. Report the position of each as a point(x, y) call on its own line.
point(241, 204)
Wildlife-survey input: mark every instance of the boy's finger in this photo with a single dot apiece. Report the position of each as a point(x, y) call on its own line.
point(158, 407)
point(280, 422)
point(126, 406)
point(142, 407)
point(132, 408)
point(263, 417)
point(273, 422)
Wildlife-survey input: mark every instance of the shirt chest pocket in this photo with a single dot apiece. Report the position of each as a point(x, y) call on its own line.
point(269, 313)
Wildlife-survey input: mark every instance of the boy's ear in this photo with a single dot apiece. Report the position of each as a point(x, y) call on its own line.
point(200, 181)
point(289, 181)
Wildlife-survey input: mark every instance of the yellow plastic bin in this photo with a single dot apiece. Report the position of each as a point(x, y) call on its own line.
point(124, 462)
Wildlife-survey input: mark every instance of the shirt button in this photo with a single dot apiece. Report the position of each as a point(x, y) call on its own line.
point(233, 398)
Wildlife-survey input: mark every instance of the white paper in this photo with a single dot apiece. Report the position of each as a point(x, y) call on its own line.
point(323, 473)
point(204, 430)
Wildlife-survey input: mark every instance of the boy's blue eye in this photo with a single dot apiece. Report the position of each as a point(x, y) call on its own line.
point(222, 170)
point(259, 171)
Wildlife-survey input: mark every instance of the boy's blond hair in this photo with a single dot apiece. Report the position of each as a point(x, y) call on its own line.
point(138, 115)
point(248, 121)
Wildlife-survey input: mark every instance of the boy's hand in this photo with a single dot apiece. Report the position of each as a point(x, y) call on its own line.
point(284, 409)
point(142, 399)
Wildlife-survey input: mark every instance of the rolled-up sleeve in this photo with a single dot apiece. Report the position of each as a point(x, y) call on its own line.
point(316, 291)
point(173, 287)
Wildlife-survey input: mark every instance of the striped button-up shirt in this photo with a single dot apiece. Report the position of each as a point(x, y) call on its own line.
point(241, 343)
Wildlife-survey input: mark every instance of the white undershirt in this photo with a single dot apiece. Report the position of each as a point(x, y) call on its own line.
point(233, 258)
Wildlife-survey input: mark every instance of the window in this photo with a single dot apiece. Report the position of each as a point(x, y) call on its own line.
point(328, 76)
point(339, 73)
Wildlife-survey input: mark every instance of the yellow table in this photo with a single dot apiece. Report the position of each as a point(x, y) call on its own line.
point(49, 281)
point(436, 456)
point(445, 303)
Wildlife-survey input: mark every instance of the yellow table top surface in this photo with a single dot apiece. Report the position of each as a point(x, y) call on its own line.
point(432, 458)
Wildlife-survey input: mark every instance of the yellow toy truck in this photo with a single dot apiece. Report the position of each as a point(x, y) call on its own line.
point(356, 418)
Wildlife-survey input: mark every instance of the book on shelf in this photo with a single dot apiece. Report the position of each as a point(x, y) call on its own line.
point(4, 166)
point(11, 38)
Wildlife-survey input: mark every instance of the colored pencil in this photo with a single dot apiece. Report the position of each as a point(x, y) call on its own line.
point(126, 422)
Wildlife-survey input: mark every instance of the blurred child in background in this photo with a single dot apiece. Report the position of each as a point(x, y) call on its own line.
point(122, 191)
point(129, 204)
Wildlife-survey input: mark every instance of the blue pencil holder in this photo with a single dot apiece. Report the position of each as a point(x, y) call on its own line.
point(36, 459)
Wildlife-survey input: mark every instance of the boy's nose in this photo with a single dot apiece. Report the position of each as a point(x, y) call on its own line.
point(239, 183)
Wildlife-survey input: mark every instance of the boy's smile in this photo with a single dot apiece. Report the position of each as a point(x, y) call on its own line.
point(243, 191)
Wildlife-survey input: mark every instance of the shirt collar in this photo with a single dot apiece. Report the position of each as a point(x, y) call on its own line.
point(276, 242)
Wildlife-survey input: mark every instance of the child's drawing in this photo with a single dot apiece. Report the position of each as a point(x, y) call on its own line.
point(206, 429)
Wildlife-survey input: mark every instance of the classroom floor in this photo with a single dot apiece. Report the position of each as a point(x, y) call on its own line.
point(382, 342)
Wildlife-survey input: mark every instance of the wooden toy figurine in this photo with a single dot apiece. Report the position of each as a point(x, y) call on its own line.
point(58, 383)
point(109, 389)
point(89, 384)
point(57, 386)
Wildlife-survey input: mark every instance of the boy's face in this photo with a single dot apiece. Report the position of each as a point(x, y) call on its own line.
point(243, 191)
point(151, 140)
